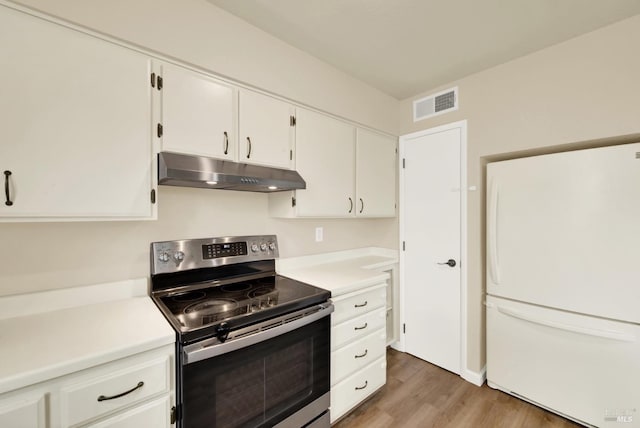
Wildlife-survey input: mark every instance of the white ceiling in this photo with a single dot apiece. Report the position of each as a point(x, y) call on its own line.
point(405, 47)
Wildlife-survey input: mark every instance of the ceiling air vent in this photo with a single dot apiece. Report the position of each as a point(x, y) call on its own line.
point(435, 104)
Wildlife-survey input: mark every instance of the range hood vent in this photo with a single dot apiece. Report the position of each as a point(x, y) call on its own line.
point(199, 171)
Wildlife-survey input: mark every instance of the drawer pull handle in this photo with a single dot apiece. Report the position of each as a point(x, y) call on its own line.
point(104, 398)
point(361, 328)
point(362, 387)
point(362, 305)
point(7, 194)
point(362, 355)
point(226, 143)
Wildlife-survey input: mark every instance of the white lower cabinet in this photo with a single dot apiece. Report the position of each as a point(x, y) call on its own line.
point(358, 346)
point(356, 388)
point(25, 410)
point(136, 391)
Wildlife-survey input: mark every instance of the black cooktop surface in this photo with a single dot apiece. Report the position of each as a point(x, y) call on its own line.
point(196, 313)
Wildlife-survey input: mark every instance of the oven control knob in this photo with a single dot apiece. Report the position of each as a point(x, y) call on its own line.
point(272, 246)
point(254, 247)
point(222, 331)
point(179, 256)
point(263, 247)
point(163, 257)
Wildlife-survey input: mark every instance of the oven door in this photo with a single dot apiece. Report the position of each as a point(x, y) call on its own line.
point(277, 373)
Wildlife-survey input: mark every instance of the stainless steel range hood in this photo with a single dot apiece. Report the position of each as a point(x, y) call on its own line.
point(199, 171)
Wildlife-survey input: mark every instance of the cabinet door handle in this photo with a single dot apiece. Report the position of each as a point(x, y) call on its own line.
point(249, 147)
point(226, 143)
point(362, 305)
point(362, 387)
point(361, 205)
point(362, 355)
point(7, 194)
point(361, 328)
point(122, 394)
point(350, 205)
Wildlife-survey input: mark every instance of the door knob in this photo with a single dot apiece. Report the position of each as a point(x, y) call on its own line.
point(449, 262)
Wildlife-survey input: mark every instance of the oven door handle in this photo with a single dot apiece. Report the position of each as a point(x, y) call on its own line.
point(198, 352)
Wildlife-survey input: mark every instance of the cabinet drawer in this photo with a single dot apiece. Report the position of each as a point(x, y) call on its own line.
point(359, 354)
point(358, 327)
point(356, 388)
point(358, 303)
point(126, 382)
point(154, 414)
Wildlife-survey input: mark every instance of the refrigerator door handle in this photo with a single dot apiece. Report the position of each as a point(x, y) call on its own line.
point(606, 334)
point(492, 235)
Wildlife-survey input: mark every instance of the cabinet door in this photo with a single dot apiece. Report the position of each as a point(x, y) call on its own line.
point(266, 132)
point(325, 151)
point(26, 411)
point(76, 114)
point(197, 114)
point(375, 175)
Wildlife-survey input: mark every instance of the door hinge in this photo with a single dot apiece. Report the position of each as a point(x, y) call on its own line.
point(159, 130)
point(153, 196)
point(290, 154)
point(292, 120)
point(173, 415)
point(293, 201)
point(404, 163)
point(404, 328)
point(159, 83)
point(153, 80)
point(404, 246)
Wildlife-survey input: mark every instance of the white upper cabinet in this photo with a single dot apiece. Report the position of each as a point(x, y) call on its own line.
point(266, 130)
point(197, 113)
point(325, 154)
point(375, 175)
point(350, 172)
point(76, 135)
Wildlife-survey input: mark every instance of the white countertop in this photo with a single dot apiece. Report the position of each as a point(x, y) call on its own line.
point(341, 272)
point(107, 322)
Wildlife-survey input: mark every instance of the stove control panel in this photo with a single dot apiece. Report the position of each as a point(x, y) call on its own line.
point(230, 249)
point(174, 256)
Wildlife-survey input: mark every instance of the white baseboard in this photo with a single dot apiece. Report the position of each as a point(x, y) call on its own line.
point(476, 378)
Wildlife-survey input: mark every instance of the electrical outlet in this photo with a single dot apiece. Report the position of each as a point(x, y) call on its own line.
point(319, 233)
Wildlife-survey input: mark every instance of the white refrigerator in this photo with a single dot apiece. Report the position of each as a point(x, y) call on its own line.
point(563, 282)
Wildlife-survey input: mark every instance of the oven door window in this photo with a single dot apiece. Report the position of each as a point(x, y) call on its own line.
point(260, 385)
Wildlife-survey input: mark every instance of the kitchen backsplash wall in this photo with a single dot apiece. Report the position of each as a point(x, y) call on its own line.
point(38, 256)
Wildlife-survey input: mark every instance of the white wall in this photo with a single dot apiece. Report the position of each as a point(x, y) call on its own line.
point(580, 93)
point(37, 256)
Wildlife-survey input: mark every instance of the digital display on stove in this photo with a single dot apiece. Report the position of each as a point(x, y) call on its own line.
point(213, 251)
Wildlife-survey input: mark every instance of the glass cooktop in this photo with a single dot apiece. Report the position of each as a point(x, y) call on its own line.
point(240, 303)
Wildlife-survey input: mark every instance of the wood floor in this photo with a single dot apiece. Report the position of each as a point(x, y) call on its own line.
point(419, 394)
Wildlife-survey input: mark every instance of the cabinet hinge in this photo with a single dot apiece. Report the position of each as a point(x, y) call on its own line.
point(159, 83)
point(153, 196)
point(404, 246)
point(174, 416)
point(159, 130)
point(153, 80)
point(293, 201)
point(404, 328)
point(290, 154)
point(404, 163)
point(292, 120)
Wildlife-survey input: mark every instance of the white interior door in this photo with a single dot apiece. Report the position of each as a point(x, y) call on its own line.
point(431, 218)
